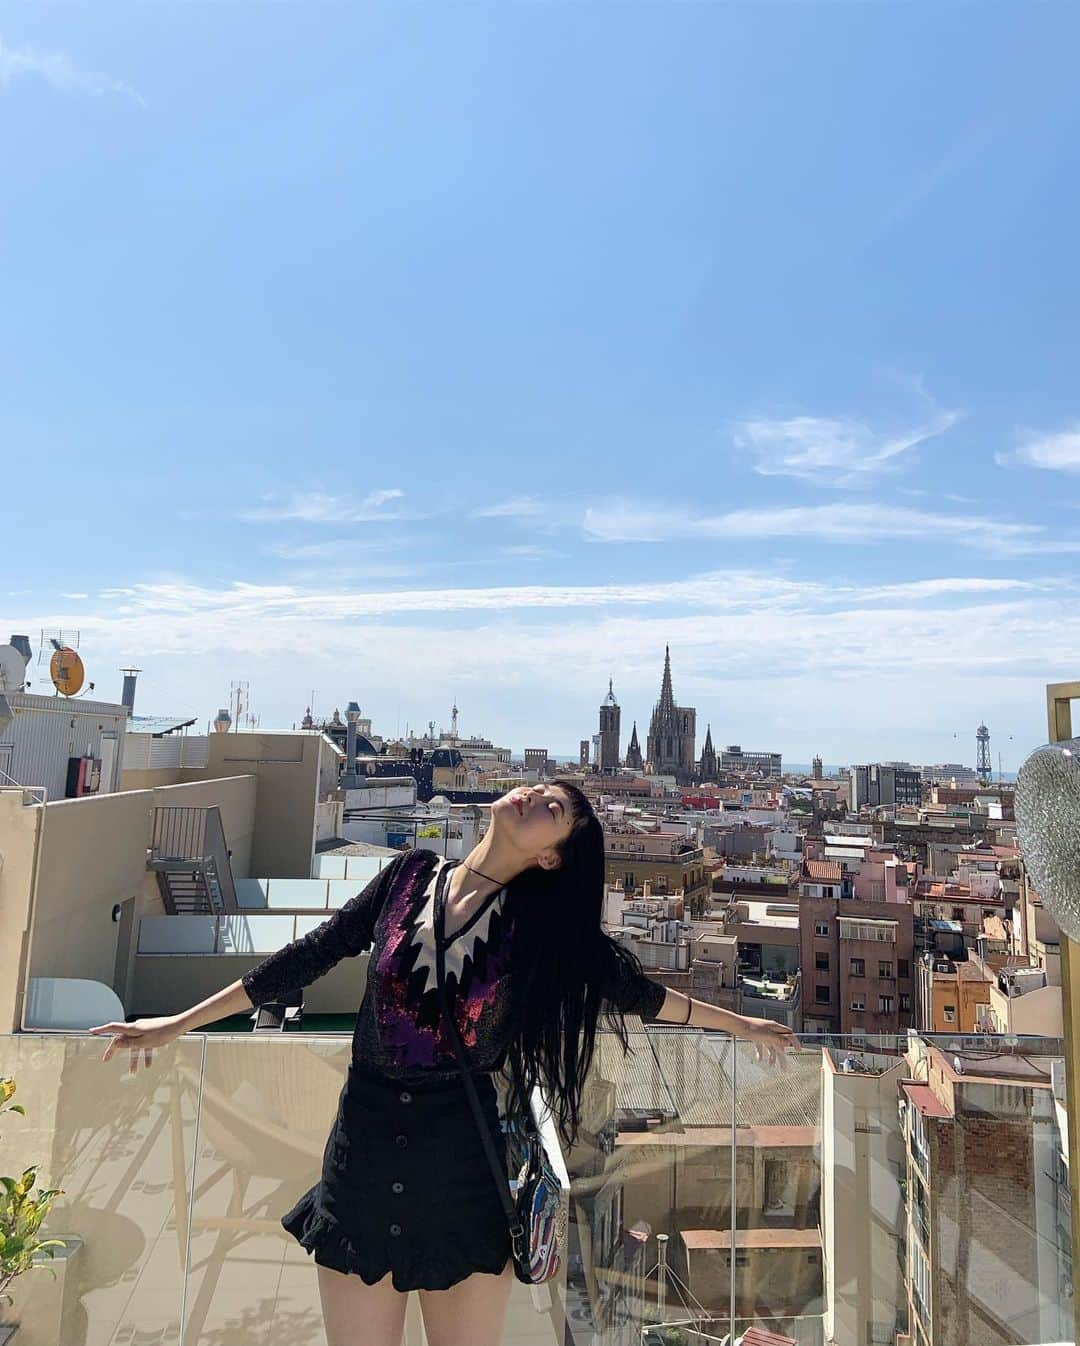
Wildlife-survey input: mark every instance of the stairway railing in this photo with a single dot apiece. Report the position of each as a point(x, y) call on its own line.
point(193, 840)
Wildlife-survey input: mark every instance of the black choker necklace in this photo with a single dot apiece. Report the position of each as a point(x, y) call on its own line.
point(469, 867)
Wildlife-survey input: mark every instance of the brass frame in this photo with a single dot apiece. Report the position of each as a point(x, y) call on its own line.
point(1059, 696)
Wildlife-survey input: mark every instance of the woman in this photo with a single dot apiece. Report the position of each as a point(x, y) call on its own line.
point(406, 1198)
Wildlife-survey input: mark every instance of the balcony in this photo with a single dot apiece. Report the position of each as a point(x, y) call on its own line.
point(708, 1194)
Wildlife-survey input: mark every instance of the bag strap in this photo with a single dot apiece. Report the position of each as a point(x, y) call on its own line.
point(517, 1229)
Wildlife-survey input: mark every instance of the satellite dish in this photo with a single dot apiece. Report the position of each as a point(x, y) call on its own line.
point(12, 669)
point(66, 671)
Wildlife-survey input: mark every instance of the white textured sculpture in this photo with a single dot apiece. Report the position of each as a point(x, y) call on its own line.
point(1048, 826)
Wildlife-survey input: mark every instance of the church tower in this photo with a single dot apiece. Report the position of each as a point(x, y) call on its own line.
point(610, 716)
point(670, 745)
point(633, 752)
point(708, 757)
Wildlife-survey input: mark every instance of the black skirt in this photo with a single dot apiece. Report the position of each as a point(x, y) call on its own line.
point(406, 1186)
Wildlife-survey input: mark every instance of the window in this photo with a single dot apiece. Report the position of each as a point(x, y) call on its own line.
point(821, 995)
point(885, 1004)
point(858, 967)
point(949, 1012)
point(989, 911)
point(858, 1004)
point(903, 968)
point(905, 1003)
point(958, 913)
point(628, 882)
point(884, 969)
point(821, 962)
point(821, 929)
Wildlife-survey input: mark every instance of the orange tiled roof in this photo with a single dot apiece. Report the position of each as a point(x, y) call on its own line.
point(761, 1336)
point(825, 871)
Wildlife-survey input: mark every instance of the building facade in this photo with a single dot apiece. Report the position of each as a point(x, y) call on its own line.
point(733, 758)
point(879, 784)
point(857, 960)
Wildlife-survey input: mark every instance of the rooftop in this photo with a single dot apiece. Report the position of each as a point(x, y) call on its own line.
point(823, 871)
point(751, 1238)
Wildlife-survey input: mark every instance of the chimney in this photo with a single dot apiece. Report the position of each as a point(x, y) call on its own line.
point(352, 714)
point(127, 696)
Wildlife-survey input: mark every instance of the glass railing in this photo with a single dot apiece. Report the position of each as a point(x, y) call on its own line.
point(708, 1194)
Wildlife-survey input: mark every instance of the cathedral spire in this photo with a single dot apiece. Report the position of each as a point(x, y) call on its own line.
point(708, 739)
point(633, 752)
point(667, 696)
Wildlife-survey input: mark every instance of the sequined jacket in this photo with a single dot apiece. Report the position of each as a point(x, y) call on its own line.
point(400, 1033)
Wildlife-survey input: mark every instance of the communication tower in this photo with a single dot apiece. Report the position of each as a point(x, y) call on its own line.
point(982, 764)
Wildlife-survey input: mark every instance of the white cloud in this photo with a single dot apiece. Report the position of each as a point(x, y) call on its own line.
point(517, 507)
point(892, 660)
point(833, 452)
point(56, 68)
point(335, 548)
point(320, 507)
point(533, 552)
point(861, 522)
point(1055, 453)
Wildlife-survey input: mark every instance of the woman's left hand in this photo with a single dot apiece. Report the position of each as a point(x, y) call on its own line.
point(772, 1041)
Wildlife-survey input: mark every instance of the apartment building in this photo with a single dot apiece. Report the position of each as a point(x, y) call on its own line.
point(879, 783)
point(667, 861)
point(653, 926)
point(857, 962)
point(983, 1260)
point(824, 880)
point(953, 995)
point(1021, 1001)
point(969, 904)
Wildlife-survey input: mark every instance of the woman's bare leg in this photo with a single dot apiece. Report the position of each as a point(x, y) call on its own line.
point(357, 1314)
point(471, 1313)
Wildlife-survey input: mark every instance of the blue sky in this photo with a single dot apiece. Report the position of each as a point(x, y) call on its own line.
point(431, 350)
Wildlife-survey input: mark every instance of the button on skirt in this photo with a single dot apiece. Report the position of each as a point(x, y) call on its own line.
point(406, 1186)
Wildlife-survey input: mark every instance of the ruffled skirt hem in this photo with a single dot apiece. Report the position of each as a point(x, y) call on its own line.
point(413, 1264)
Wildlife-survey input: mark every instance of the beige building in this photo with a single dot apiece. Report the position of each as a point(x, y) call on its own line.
point(79, 876)
point(665, 860)
point(862, 1159)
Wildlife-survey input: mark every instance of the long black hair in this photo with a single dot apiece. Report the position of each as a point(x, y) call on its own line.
point(562, 960)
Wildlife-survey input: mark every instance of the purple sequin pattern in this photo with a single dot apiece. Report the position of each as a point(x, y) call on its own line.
point(407, 1007)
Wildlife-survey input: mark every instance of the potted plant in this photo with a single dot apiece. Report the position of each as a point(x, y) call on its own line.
point(21, 1214)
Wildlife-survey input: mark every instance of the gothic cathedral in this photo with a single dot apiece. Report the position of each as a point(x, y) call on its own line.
point(670, 744)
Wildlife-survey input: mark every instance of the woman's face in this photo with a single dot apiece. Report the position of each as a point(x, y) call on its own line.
point(536, 819)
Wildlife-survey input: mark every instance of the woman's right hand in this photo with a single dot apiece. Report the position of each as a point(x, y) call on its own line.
point(141, 1035)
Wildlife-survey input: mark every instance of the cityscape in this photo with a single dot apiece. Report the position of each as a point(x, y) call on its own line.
point(409, 407)
point(883, 913)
